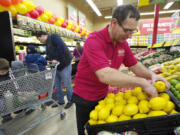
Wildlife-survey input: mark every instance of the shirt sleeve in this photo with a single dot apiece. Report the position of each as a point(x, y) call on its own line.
point(129, 60)
point(95, 53)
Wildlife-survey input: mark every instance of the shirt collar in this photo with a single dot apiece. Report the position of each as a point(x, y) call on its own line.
point(107, 36)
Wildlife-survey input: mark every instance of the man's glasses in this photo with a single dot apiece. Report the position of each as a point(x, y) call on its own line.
point(128, 31)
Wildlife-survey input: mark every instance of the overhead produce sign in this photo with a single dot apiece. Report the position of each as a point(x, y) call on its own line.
point(164, 26)
point(82, 19)
point(148, 2)
point(72, 14)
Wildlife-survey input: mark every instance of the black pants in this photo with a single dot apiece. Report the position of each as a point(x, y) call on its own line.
point(83, 108)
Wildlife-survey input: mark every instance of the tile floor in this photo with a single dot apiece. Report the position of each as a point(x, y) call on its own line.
point(53, 126)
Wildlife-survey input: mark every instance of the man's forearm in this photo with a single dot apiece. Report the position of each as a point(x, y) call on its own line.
point(116, 78)
point(141, 71)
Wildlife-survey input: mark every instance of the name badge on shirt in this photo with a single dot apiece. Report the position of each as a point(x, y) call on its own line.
point(121, 52)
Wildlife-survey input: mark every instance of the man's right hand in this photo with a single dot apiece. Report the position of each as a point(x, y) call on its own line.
point(149, 89)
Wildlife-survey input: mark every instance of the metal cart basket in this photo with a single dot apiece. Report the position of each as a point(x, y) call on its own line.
point(24, 92)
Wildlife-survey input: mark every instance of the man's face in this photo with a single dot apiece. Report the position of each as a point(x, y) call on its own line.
point(121, 32)
point(3, 72)
point(42, 39)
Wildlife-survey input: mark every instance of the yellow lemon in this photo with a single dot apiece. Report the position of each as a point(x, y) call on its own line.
point(117, 110)
point(169, 107)
point(110, 106)
point(122, 102)
point(156, 113)
point(127, 95)
point(103, 113)
point(165, 96)
point(132, 100)
point(142, 96)
point(101, 122)
point(158, 103)
point(109, 100)
point(144, 106)
point(102, 102)
point(130, 109)
point(173, 112)
point(92, 122)
point(136, 91)
point(112, 118)
point(120, 94)
point(110, 95)
point(139, 116)
point(93, 115)
point(118, 98)
point(124, 118)
point(99, 107)
point(160, 86)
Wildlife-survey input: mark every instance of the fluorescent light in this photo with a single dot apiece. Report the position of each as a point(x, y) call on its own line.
point(108, 17)
point(119, 2)
point(168, 5)
point(93, 6)
point(161, 12)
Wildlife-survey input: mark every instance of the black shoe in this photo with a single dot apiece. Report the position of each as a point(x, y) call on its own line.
point(55, 105)
point(17, 112)
point(6, 119)
point(68, 105)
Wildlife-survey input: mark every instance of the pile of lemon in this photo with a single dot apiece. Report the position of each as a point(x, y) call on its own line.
point(131, 104)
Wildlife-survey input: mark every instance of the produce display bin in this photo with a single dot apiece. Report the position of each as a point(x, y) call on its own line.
point(174, 99)
point(160, 125)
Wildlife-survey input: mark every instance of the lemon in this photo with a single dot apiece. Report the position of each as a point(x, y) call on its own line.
point(128, 91)
point(136, 91)
point(109, 100)
point(130, 109)
point(132, 100)
point(144, 106)
point(92, 122)
point(93, 115)
point(165, 96)
point(103, 113)
point(169, 107)
point(127, 95)
point(117, 110)
point(124, 117)
point(173, 112)
point(160, 86)
point(122, 102)
point(110, 95)
point(102, 102)
point(101, 122)
point(139, 116)
point(118, 98)
point(158, 103)
point(142, 96)
point(112, 118)
point(110, 106)
point(120, 94)
point(99, 107)
point(156, 113)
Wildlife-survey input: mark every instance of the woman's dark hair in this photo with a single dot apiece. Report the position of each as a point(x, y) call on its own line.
point(31, 49)
point(124, 11)
point(40, 33)
point(4, 64)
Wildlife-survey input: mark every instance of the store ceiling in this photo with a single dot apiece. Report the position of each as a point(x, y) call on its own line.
point(106, 7)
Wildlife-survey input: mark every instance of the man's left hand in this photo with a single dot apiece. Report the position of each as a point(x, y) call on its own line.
point(156, 78)
point(54, 61)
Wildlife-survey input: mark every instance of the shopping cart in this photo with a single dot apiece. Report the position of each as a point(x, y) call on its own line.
point(25, 91)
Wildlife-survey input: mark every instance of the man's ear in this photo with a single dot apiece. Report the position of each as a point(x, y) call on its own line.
point(114, 21)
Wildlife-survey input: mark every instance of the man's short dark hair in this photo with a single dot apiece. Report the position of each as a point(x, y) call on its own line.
point(40, 33)
point(4, 64)
point(124, 11)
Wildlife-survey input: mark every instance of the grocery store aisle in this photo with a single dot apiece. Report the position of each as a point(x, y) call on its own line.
point(56, 126)
point(53, 126)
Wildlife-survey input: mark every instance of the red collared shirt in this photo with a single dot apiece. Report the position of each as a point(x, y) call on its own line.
point(99, 52)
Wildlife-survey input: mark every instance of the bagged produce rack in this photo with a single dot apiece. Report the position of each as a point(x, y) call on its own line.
point(159, 125)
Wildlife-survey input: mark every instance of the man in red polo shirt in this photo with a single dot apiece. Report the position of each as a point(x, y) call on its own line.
point(104, 52)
